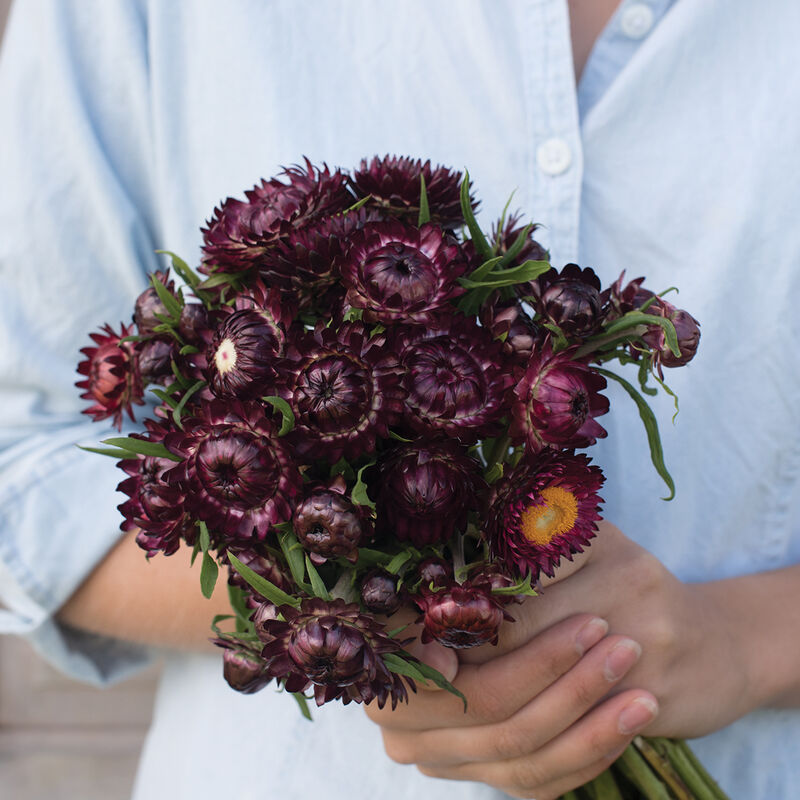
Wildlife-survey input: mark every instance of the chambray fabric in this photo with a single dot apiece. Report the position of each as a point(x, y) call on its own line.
point(122, 125)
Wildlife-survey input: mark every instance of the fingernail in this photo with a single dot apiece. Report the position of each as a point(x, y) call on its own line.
point(636, 715)
point(590, 634)
point(621, 658)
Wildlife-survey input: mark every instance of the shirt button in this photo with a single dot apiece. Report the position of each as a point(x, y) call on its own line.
point(554, 156)
point(637, 20)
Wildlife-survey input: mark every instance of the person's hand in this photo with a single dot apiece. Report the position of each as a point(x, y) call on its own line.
point(548, 711)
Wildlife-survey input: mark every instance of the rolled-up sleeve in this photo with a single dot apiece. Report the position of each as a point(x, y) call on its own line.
point(77, 236)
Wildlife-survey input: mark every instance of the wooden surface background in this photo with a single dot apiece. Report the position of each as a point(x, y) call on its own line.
point(60, 740)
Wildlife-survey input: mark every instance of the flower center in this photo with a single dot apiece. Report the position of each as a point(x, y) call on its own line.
point(540, 524)
point(225, 357)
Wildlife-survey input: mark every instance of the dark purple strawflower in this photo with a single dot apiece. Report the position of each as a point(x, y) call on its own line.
point(460, 616)
point(329, 525)
point(155, 358)
point(393, 186)
point(155, 507)
point(334, 648)
point(434, 571)
point(570, 299)
point(400, 273)
point(148, 307)
point(237, 475)
point(508, 321)
point(379, 592)
point(243, 356)
point(344, 390)
point(556, 402)
point(112, 383)
point(621, 297)
point(194, 323)
point(242, 668)
point(241, 234)
point(456, 376)
point(687, 329)
point(544, 510)
point(427, 489)
point(305, 260)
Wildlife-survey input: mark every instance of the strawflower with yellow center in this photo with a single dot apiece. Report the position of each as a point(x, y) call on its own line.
point(544, 510)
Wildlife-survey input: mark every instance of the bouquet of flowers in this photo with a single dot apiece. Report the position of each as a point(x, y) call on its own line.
point(363, 404)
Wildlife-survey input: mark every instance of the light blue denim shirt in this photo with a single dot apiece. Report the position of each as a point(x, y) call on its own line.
point(123, 123)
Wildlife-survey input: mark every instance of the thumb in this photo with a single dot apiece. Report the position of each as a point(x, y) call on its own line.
point(441, 658)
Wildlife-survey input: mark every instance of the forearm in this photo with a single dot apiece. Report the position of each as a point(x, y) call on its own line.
point(154, 602)
point(763, 613)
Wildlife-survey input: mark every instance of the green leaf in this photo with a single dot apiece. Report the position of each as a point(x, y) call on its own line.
point(358, 204)
point(482, 247)
point(218, 279)
point(191, 278)
point(634, 318)
point(236, 596)
point(484, 269)
point(502, 223)
point(264, 587)
point(424, 210)
point(359, 492)
point(342, 467)
point(651, 428)
point(287, 415)
point(208, 575)
point(165, 398)
point(141, 447)
point(398, 438)
point(195, 551)
point(178, 410)
point(395, 565)
point(417, 670)
point(317, 584)
point(302, 702)
point(370, 558)
point(354, 315)
point(644, 374)
point(496, 279)
point(294, 554)
point(106, 451)
point(216, 621)
point(344, 588)
point(188, 349)
point(672, 394)
point(204, 539)
point(516, 247)
point(169, 300)
point(523, 587)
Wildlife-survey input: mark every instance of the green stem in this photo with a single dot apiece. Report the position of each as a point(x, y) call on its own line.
point(655, 752)
point(602, 340)
point(700, 783)
point(701, 770)
point(603, 787)
point(636, 771)
point(498, 452)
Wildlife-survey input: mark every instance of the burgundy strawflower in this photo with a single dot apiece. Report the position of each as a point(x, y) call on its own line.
point(556, 402)
point(621, 297)
point(687, 329)
point(344, 390)
point(544, 510)
point(456, 376)
point(238, 476)
point(243, 356)
point(155, 507)
point(148, 307)
point(508, 321)
point(570, 299)
point(434, 571)
point(460, 616)
point(242, 668)
point(334, 648)
point(112, 379)
point(400, 273)
point(379, 592)
point(155, 357)
point(241, 234)
point(506, 236)
point(427, 489)
point(329, 525)
point(393, 185)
